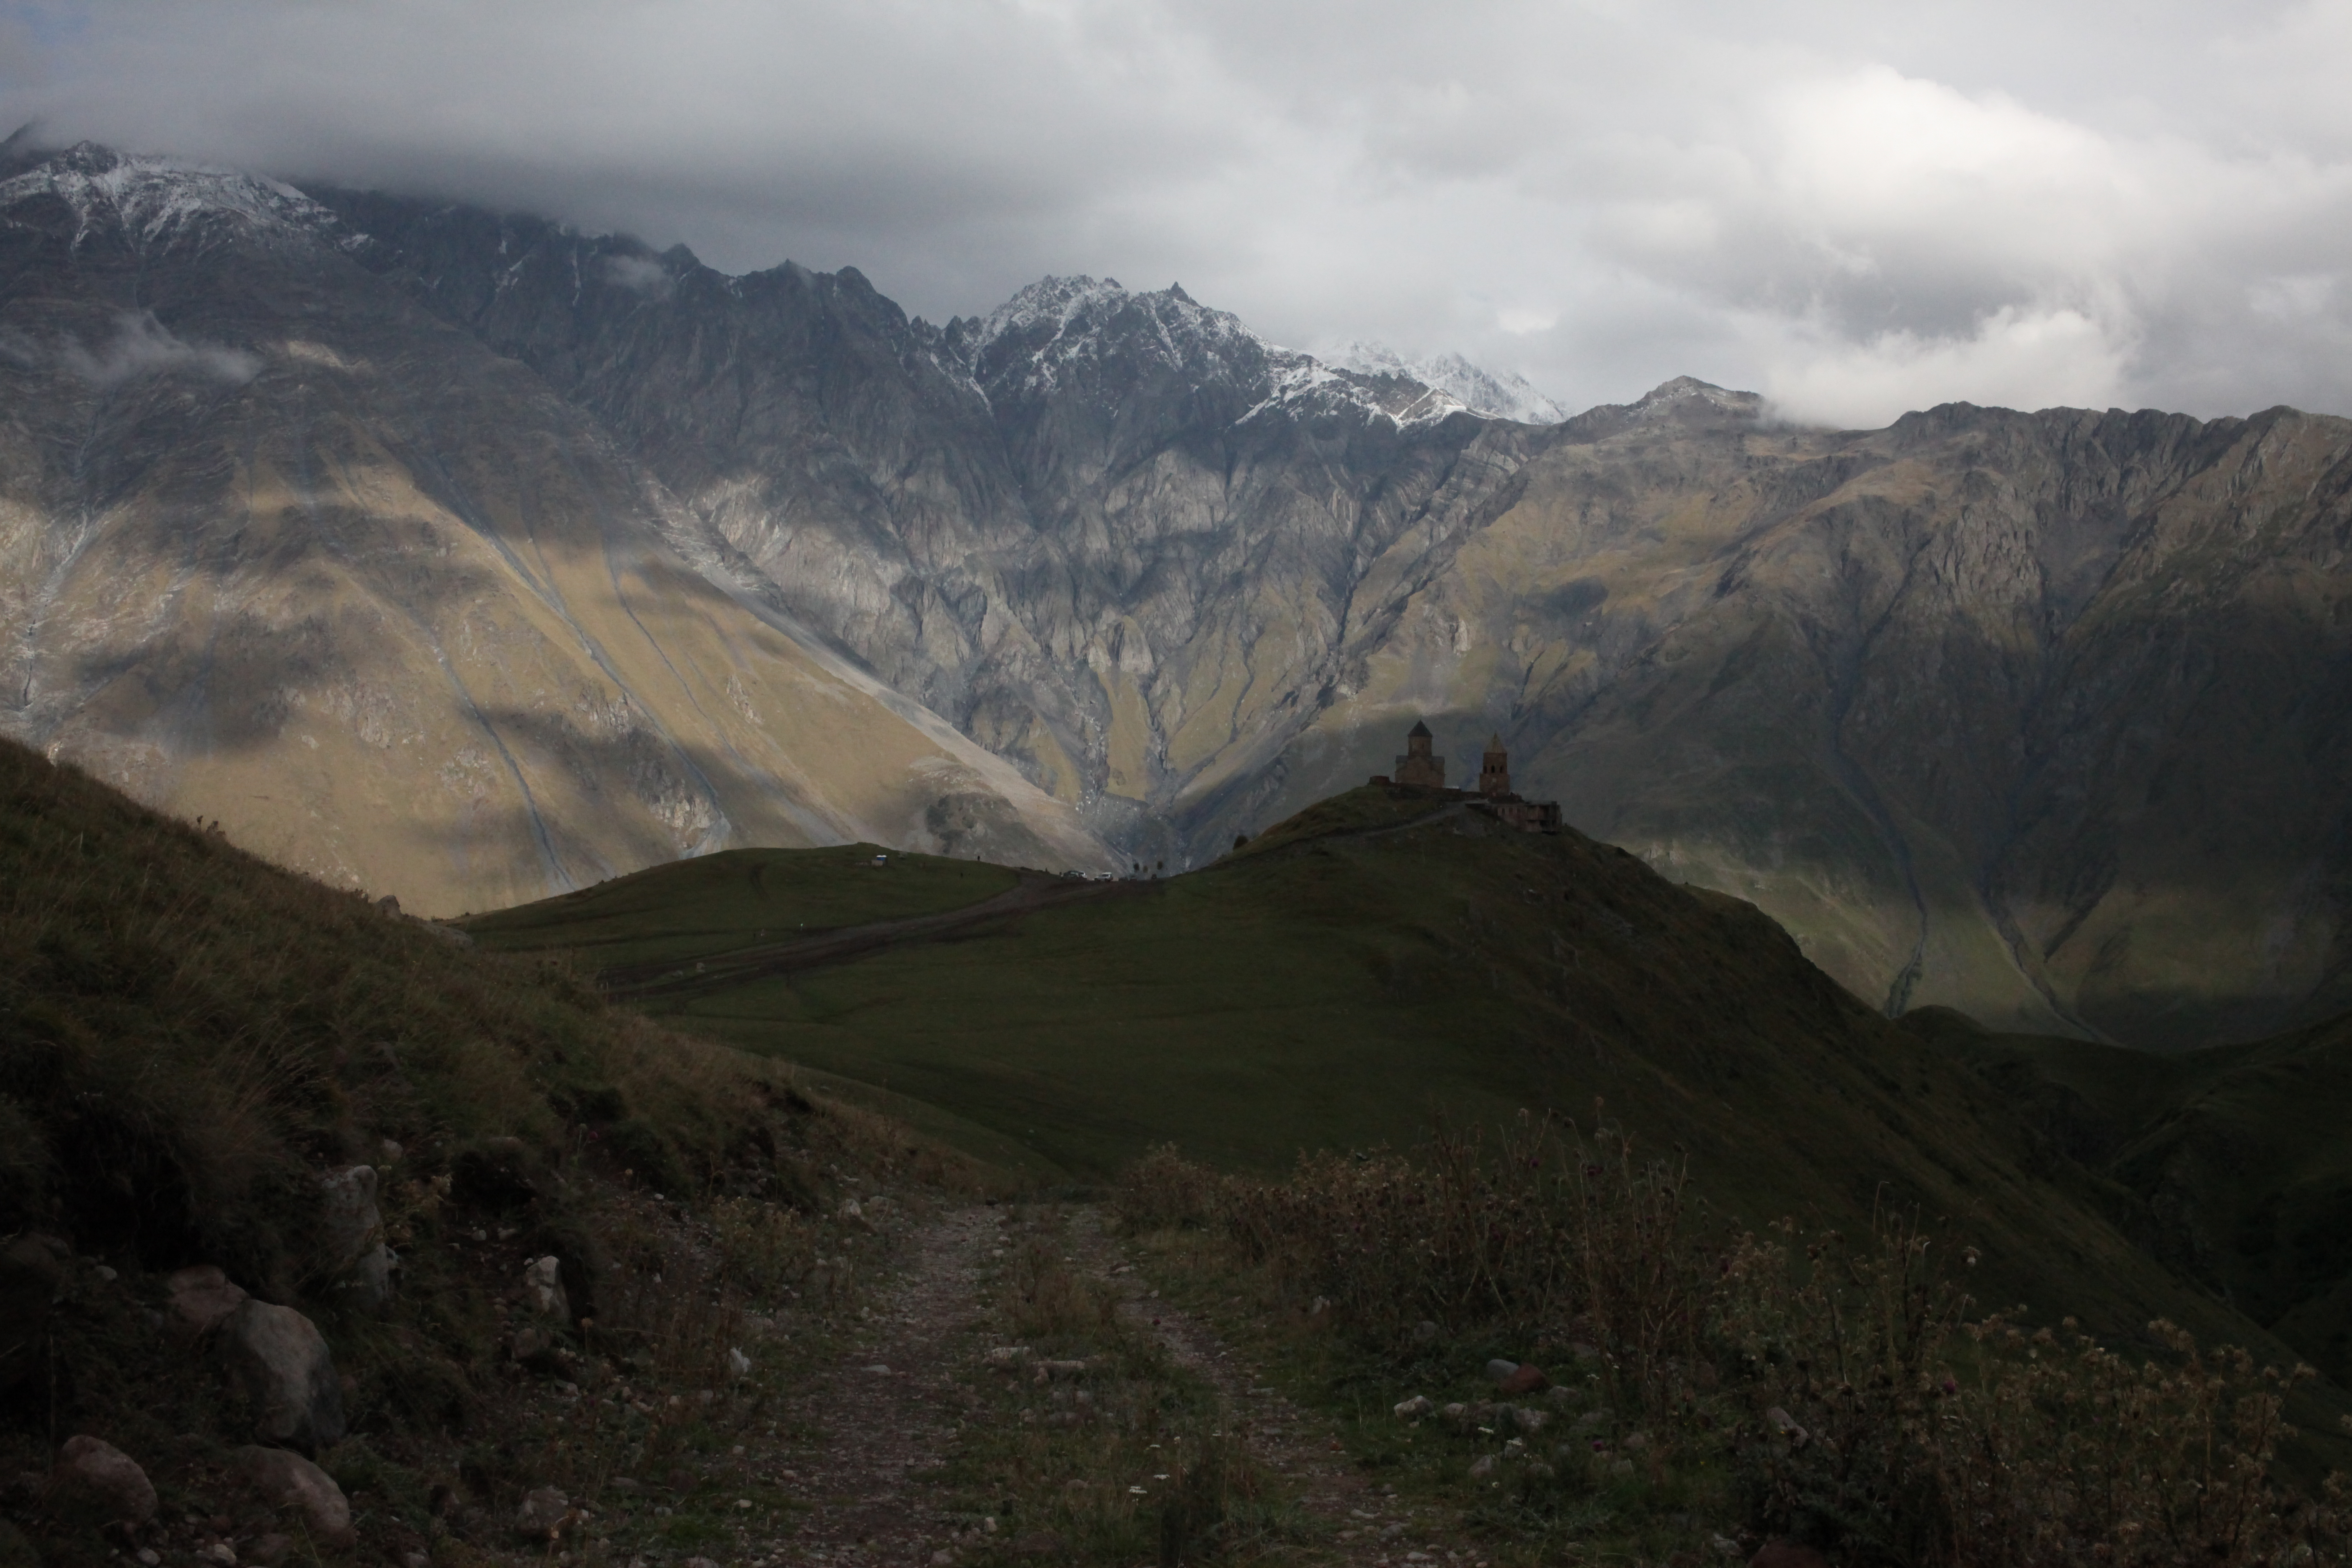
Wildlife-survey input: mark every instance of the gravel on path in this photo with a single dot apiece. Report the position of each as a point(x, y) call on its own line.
point(887, 1415)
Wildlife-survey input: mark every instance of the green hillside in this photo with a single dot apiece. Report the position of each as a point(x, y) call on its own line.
point(2230, 1165)
point(1354, 973)
point(193, 1040)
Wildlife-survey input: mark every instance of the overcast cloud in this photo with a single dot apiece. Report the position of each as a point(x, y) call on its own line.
point(1853, 208)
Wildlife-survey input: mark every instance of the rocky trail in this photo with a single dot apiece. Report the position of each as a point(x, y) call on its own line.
point(885, 1419)
point(875, 1434)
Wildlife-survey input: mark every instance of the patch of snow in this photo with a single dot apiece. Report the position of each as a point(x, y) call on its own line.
point(1035, 341)
point(157, 203)
point(1503, 395)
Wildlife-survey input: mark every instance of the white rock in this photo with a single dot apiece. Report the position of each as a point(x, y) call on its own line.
point(355, 1233)
point(545, 1279)
point(283, 1363)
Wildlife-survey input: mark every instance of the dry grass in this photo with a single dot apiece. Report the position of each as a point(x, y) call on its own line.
point(1841, 1392)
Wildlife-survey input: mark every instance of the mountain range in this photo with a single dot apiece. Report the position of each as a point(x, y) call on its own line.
point(466, 556)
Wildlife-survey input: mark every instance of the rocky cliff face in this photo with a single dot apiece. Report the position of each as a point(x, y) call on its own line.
point(281, 549)
point(1114, 536)
point(2042, 716)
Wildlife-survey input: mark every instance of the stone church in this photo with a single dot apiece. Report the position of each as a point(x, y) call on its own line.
point(1422, 769)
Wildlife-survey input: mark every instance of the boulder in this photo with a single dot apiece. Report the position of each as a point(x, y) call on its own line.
point(544, 1513)
point(200, 1299)
point(544, 1280)
point(31, 1269)
point(289, 1480)
point(97, 1479)
point(355, 1234)
point(287, 1374)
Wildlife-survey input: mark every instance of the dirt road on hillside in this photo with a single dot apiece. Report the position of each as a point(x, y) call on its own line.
point(1035, 891)
point(877, 1429)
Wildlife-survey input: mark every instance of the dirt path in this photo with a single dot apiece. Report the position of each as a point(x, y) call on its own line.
point(872, 1437)
point(887, 1414)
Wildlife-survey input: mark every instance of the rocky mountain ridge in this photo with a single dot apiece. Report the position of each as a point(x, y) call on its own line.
point(2038, 715)
point(282, 550)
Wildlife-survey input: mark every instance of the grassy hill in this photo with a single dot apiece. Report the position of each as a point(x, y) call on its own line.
point(191, 1039)
point(1373, 964)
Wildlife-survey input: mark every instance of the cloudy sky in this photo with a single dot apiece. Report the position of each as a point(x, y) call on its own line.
point(1855, 208)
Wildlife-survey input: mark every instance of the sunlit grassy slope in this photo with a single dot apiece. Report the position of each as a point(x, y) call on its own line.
point(1352, 976)
point(691, 909)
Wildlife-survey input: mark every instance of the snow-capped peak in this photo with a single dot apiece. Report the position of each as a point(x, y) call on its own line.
point(157, 201)
point(1058, 322)
point(1502, 395)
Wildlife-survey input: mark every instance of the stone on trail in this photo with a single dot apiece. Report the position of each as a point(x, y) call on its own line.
point(1426, 1332)
point(95, 1477)
point(1498, 1370)
point(1416, 1407)
point(289, 1480)
point(1483, 1467)
point(286, 1371)
point(201, 1298)
point(738, 1363)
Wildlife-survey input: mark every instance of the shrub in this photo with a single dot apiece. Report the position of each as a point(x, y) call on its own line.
point(1841, 1387)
